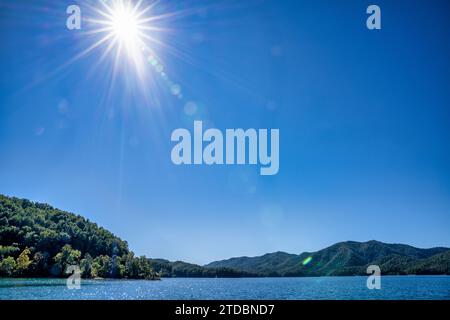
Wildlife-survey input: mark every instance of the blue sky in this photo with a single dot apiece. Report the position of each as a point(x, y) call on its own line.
point(364, 119)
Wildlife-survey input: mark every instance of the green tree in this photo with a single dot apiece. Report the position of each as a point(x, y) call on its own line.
point(117, 268)
point(7, 267)
point(39, 266)
point(145, 269)
point(131, 266)
point(66, 257)
point(8, 251)
point(101, 267)
point(86, 266)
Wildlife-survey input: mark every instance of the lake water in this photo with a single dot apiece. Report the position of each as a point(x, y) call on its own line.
point(392, 287)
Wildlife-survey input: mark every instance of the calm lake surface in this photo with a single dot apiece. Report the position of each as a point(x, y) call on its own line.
point(392, 287)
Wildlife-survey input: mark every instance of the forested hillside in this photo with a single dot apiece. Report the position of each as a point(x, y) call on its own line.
point(346, 258)
point(39, 240)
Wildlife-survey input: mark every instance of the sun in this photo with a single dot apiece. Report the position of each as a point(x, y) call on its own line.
point(124, 23)
point(131, 35)
point(126, 26)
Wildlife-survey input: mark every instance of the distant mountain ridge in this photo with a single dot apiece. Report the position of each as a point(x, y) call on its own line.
point(180, 269)
point(345, 258)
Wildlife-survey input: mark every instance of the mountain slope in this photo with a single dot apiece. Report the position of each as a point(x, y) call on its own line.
point(346, 258)
point(39, 240)
point(267, 264)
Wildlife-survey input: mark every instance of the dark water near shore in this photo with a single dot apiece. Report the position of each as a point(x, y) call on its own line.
point(348, 288)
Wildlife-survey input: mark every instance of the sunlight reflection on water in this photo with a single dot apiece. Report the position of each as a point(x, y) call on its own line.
point(393, 287)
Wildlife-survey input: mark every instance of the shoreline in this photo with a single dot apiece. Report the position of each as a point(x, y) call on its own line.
point(163, 278)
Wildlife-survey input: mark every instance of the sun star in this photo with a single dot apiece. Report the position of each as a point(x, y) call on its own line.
point(125, 25)
point(129, 32)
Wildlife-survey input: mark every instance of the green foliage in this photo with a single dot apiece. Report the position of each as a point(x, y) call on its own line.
point(101, 266)
point(45, 228)
point(6, 251)
point(40, 264)
point(144, 268)
point(7, 267)
point(39, 240)
point(66, 258)
point(86, 266)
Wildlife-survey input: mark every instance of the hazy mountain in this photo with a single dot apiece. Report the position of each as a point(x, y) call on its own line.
point(182, 269)
point(346, 258)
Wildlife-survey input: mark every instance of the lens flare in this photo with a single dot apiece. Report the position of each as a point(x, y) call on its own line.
point(307, 261)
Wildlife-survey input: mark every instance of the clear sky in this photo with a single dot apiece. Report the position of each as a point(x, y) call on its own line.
point(364, 119)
